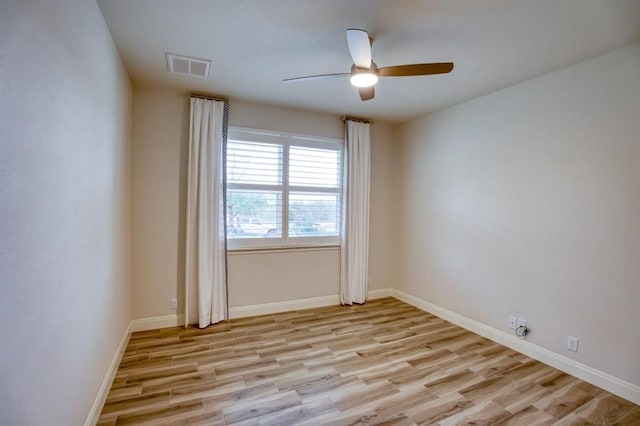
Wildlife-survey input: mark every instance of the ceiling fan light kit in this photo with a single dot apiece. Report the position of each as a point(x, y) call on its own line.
point(364, 77)
point(364, 72)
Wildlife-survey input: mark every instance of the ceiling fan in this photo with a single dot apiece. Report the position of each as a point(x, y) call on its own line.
point(364, 72)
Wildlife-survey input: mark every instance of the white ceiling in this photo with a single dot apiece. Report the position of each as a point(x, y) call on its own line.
point(254, 44)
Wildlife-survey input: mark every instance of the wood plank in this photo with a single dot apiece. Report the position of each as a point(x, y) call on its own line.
point(384, 362)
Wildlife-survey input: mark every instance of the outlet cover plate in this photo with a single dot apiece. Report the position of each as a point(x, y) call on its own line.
point(174, 303)
point(572, 343)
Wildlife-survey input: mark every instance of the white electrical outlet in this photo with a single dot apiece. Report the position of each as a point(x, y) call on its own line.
point(520, 322)
point(174, 303)
point(512, 322)
point(572, 343)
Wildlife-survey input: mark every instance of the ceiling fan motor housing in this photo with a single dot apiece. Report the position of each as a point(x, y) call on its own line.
point(364, 77)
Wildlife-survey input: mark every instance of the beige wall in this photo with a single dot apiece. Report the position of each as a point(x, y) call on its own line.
point(527, 201)
point(157, 152)
point(260, 278)
point(159, 155)
point(64, 209)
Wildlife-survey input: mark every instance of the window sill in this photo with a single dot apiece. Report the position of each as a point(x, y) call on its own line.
point(291, 249)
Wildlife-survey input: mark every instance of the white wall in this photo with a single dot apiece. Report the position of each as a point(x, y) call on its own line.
point(160, 142)
point(65, 298)
point(527, 201)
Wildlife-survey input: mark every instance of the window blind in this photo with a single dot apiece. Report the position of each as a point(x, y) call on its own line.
point(282, 190)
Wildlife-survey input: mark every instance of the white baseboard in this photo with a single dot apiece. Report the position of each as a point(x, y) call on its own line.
point(379, 293)
point(153, 323)
point(596, 377)
point(103, 392)
point(284, 306)
point(297, 304)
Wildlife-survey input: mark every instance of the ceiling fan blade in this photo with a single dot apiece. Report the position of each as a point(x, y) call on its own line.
point(315, 77)
point(360, 47)
point(367, 93)
point(416, 69)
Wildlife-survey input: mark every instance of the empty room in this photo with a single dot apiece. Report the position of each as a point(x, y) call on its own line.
point(247, 212)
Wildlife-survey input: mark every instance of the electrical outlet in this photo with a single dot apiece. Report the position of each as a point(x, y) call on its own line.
point(572, 344)
point(520, 322)
point(174, 303)
point(512, 322)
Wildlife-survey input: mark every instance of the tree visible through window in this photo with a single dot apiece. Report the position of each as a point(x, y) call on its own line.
point(282, 190)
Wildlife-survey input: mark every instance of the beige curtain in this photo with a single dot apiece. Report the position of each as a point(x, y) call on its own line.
point(354, 275)
point(205, 257)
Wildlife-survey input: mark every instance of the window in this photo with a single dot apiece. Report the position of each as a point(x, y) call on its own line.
point(282, 190)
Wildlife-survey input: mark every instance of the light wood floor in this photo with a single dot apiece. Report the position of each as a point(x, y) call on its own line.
point(381, 363)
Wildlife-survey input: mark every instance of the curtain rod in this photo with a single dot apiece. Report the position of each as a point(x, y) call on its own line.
point(359, 119)
point(214, 98)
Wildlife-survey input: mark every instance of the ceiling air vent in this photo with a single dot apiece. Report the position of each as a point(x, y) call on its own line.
point(186, 65)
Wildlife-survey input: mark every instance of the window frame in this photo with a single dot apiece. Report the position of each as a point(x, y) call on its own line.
point(286, 140)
